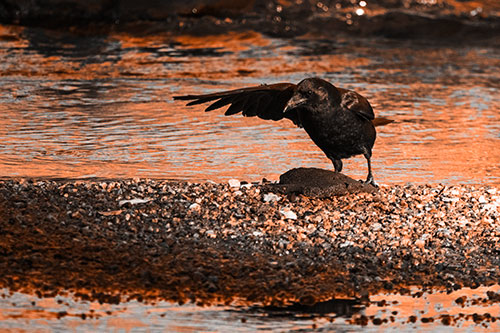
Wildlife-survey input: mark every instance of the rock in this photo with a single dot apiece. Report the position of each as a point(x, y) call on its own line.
point(235, 183)
point(194, 206)
point(320, 183)
point(271, 197)
point(287, 213)
point(211, 234)
point(420, 243)
point(133, 201)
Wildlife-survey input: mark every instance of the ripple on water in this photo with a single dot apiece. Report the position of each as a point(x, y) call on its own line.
point(72, 107)
point(461, 309)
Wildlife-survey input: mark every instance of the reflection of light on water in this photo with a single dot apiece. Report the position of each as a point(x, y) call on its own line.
point(114, 116)
point(476, 11)
point(360, 11)
point(24, 312)
point(434, 305)
point(21, 311)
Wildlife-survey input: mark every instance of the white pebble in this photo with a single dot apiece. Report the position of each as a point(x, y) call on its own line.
point(133, 201)
point(234, 183)
point(347, 243)
point(270, 197)
point(420, 243)
point(287, 213)
point(194, 206)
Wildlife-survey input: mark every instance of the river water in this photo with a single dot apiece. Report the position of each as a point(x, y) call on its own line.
point(429, 312)
point(77, 106)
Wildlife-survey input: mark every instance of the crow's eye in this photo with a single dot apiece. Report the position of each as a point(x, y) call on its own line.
point(308, 93)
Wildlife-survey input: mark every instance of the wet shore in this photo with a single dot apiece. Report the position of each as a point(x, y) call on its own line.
point(115, 240)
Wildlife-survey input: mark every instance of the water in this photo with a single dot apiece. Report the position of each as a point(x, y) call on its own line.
point(101, 106)
point(25, 312)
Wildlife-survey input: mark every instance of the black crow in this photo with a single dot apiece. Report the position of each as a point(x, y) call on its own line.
point(341, 122)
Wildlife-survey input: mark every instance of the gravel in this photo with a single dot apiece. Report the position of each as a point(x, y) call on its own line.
point(114, 240)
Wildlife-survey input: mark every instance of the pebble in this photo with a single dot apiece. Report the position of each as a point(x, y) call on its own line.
point(271, 197)
point(133, 201)
point(451, 233)
point(420, 243)
point(235, 183)
point(287, 213)
point(194, 206)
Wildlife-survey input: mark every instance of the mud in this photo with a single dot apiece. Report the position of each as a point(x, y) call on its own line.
point(117, 240)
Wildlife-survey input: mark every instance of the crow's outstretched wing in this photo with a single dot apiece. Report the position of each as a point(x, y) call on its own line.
point(265, 101)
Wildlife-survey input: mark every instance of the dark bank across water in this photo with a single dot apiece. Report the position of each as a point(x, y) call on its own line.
point(441, 19)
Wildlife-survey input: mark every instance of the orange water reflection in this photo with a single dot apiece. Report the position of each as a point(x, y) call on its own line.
point(101, 106)
point(438, 305)
point(463, 309)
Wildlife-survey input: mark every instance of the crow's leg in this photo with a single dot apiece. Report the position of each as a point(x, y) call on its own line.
point(369, 178)
point(337, 164)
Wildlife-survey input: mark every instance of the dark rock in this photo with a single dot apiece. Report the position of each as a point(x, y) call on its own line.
point(319, 183)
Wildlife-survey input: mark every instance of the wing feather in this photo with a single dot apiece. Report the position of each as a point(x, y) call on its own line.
point(356, 103)
point(252, 106)
point(265, 101)
point(235, 107)
point(220, 103)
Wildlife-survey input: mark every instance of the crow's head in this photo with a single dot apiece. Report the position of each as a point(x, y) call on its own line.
point(313, 94)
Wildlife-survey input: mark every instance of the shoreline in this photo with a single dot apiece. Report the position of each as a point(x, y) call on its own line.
point(212, 243)
point(397, 20)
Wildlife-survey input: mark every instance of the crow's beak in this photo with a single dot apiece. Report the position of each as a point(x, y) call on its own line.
point(295, 102)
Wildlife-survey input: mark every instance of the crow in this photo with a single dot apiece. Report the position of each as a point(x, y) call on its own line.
point(340, 122)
